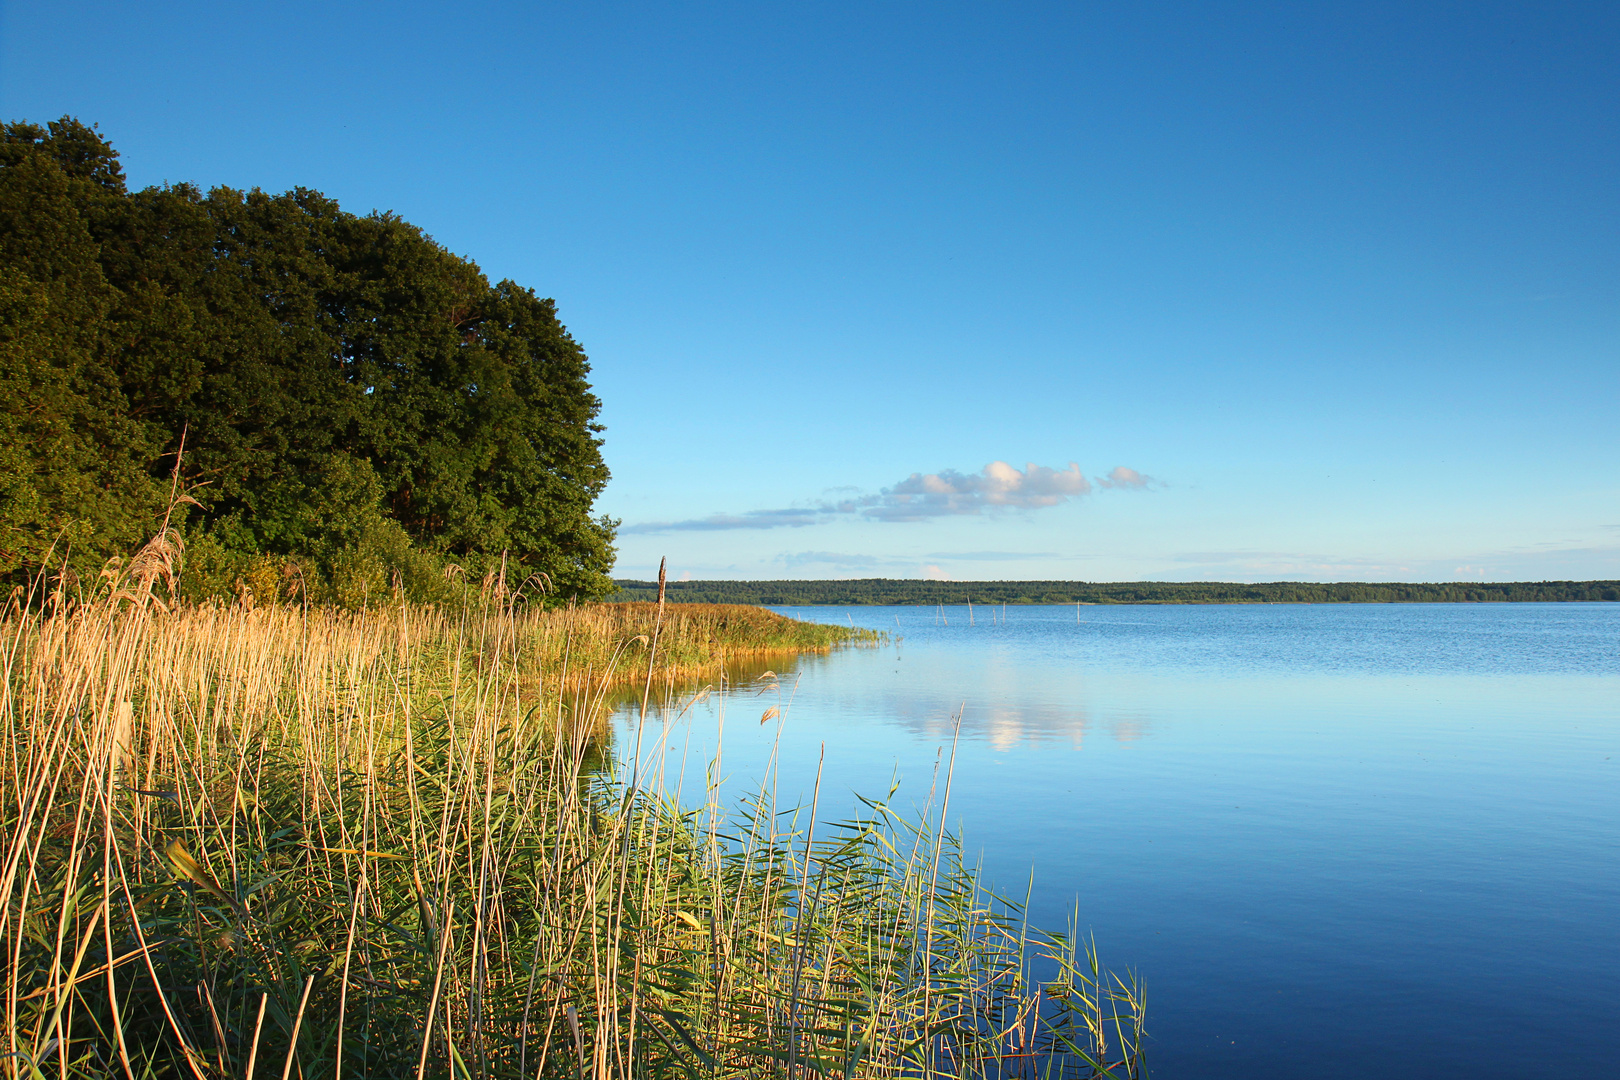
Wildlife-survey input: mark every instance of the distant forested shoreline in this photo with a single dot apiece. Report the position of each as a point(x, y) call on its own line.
point(914, 591)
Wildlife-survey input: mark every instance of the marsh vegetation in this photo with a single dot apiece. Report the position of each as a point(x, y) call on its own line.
point(277, 841)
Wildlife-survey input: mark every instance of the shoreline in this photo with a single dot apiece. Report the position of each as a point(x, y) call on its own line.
point(912, 592)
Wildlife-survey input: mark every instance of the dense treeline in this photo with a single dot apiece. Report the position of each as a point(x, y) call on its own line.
point(912, 591)
point(359, 407)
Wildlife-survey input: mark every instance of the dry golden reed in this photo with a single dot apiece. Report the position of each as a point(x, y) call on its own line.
point(280, 842)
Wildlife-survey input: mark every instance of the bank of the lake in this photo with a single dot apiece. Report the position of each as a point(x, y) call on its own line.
point(909, 591)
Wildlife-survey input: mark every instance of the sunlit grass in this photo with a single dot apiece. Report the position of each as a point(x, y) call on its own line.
point(277, 842)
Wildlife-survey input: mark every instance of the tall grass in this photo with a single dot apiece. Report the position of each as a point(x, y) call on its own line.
point(391, 843)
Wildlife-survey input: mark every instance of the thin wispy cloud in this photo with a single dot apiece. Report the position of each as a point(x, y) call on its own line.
point(840, 560)
point(996, 556)
point(1292, 565)
point(1527, 563)
point(791, 517)
point(925, 496)
point(889, 564)
point(1121, 478)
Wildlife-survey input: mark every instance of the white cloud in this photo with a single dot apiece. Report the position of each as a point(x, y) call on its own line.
point(943, 494)
point(1123, 478)
point(922, 496)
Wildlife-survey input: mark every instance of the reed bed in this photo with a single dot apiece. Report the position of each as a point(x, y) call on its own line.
point(393, 843)
point(695, 641)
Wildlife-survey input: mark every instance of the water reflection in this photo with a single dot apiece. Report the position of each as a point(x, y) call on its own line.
point(1324, 836)
point(739, 676)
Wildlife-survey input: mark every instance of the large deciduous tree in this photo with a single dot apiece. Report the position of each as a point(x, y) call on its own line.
point(342, 382)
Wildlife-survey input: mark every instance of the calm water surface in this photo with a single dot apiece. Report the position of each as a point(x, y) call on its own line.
point(1337, 840)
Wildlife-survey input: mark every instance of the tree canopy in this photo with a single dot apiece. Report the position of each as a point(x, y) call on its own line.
point(353, 398)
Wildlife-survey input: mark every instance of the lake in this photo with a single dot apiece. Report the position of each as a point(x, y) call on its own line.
point(1331, 840)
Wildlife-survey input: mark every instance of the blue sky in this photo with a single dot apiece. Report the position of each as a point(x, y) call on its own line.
point(892, 289)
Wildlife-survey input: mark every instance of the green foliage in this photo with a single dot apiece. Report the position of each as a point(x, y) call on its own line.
point(913, 591)
point(72, 465)
point(352, 397)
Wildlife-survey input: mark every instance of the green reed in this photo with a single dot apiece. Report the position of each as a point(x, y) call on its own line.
point(273, 843)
